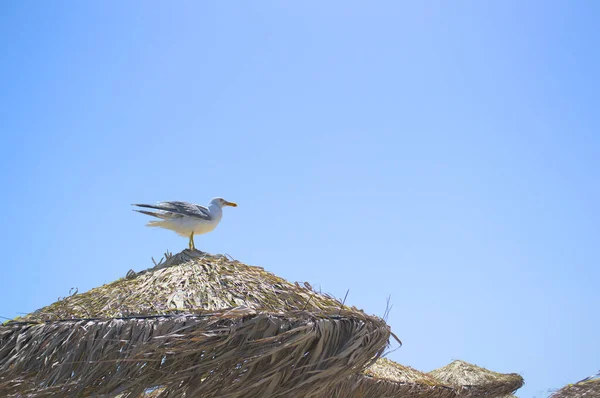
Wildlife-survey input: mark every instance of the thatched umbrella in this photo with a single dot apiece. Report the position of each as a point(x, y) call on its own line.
point(386, 378)
point(586, 388)
point(474, 381)
point(196, 325)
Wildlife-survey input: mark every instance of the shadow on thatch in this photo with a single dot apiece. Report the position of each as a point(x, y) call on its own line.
point(195, 325)
point(586, 388)
point(474, 381)
point(386, 378)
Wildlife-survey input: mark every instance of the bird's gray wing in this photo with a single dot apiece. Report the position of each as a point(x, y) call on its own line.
point(179, 209)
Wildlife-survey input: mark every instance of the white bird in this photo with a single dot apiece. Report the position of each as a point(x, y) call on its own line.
point(186, 218)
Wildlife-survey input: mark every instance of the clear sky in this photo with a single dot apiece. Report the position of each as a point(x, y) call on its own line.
point(446, 153)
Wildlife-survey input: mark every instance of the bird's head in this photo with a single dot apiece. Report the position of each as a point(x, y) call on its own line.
point(222, 202)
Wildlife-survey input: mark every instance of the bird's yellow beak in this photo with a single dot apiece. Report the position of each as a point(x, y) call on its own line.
point(230, 204)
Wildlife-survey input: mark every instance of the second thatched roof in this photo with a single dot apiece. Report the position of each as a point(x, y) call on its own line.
point(586, 388)
point(474, 381)
point(196, 325)
point(387, 379)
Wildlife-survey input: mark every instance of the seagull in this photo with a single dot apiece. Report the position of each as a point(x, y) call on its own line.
point(186, 218)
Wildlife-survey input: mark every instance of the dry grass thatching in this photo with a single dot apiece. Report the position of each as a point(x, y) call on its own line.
point(387, 379)
point(586, 388)
point(474, 381)
point(196, 325)
point(190, 281)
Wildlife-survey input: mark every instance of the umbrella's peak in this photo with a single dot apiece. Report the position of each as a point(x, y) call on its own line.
point(188, 255)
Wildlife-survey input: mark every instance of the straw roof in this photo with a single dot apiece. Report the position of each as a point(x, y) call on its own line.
point(474, 381)
point(386, 378)
point(195, 325)
point(586, 388)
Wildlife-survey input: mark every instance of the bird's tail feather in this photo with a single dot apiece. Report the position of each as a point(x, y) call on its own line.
point(153, 214)
point(150, 213)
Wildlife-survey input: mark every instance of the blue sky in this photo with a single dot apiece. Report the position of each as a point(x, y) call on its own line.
point(446, 153)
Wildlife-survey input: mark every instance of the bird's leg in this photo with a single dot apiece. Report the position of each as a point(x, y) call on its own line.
point(190, 241)
point(192, 244)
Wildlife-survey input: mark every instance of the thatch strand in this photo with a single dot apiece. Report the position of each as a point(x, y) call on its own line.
point(473, 381)
point(209, 327)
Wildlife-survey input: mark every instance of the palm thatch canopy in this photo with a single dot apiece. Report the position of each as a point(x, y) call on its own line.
point(387, 379)
point(195, 325)
point(474, 381)
point(586, 388)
